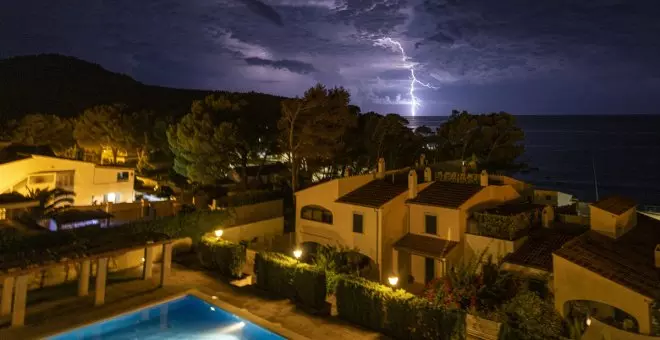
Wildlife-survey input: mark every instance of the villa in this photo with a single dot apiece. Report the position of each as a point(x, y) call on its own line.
point(27, 170)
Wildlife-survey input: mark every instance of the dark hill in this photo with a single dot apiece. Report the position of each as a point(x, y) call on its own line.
point(66, 86)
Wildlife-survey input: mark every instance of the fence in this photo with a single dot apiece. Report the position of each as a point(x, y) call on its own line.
point(135, 211)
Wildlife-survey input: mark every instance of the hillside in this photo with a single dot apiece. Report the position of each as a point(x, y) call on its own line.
point(65, 86)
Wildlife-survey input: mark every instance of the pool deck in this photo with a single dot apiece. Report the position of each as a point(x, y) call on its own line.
point(49, 316)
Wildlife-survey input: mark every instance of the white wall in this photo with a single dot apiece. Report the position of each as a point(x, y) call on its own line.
point(90, 181)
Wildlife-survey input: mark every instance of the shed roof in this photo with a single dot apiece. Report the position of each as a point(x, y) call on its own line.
point(425, 245)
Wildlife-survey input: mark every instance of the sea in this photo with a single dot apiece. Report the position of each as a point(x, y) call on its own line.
point(588, 156)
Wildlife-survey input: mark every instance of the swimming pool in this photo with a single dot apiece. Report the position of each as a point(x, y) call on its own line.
point(187, 317)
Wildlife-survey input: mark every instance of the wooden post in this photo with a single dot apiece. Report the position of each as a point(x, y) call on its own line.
point(7, 295)
point(166, 265)
point(20, 302)
point(83, 278)
point(148, 263)
point(101, 276)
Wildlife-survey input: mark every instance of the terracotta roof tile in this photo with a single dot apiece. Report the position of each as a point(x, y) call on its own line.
point(425, 245)
point(380, 191)
point(537, 250)
point(446, 194)
point(627, 260)
point(615, 204)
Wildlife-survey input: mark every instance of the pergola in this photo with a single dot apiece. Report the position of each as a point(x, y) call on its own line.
point(15, 278)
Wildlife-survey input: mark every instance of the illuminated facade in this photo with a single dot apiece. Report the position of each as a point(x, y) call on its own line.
point(91, 183)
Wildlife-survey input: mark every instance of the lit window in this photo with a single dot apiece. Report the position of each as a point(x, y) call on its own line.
point(3, 213)
point(110, 197)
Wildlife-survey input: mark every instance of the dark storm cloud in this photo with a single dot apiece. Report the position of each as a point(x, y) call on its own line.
point(525, 56)
point(264, 11)
point(291, 65)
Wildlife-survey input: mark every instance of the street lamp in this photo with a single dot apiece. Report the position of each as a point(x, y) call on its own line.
point(393, 280)
point(218, 233)
point(297, 253)
point(588, 321)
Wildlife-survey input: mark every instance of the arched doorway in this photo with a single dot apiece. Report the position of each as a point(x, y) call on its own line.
point(580, 310)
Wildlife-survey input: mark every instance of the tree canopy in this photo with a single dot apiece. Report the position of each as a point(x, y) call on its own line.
point(44, 129)
point(313, 127)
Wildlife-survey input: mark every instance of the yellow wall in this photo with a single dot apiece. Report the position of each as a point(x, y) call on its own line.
point(449, 221)
point(90, 181)
point(474, 245)
point(573, 282)
point(261, 230)
point(610, 224)
point(341, 231)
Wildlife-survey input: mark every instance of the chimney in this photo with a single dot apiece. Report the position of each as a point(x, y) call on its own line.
point(484, 178)
point(548, 216)
point(381, 168)
point(412, 184)
point(428, 174)
point(657, 256)
point(422, 160)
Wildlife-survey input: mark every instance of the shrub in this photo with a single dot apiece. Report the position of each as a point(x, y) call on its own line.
point(226, 257)
point(528, 316)
point(398, 314)
point(361, 302)
point(284, 276)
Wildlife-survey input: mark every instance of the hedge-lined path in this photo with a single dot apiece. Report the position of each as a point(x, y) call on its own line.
point(58, 308)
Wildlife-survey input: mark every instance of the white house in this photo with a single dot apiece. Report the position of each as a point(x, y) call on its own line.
point(90, 182)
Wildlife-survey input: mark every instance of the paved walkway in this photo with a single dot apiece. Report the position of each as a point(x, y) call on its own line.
point(49, 316)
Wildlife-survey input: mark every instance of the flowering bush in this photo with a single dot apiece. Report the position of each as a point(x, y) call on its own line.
point(474, 286)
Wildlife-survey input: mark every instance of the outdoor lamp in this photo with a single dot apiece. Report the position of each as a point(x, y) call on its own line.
point(218, 233)
point(393, 280)
point(297, 253)
point(588, 321)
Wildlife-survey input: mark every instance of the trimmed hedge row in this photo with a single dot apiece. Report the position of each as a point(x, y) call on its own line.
point(226, 257)
point(284, 276)
point(398, 314)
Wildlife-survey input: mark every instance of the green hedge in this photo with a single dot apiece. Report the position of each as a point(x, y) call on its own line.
point(398, 314)
point(284, 276)
point(226, 257)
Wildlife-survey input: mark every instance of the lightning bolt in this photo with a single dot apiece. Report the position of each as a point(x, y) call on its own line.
point(414, 101)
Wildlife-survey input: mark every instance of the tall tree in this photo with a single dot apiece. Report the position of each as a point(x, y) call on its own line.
point(312, 127)
point(103, 126)
point(43, 129)
point(204, 146)
point(493, 139)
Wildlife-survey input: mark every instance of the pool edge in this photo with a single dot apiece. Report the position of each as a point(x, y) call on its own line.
point(240, 312)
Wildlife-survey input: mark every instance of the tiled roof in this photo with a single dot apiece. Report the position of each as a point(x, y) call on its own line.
point(446, 194)
point(627, 260)
point(425, 245)
point(615, 204)
point(380, 191)
point(509, 209)
point(537, 250)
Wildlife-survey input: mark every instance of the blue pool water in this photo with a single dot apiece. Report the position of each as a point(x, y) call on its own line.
point(186, 318)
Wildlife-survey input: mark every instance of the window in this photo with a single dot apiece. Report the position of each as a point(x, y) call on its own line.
point(316, 213)
point(41, 179)
point(358, 226)
point(431, 224)
point(548, 198)
point(122, 176)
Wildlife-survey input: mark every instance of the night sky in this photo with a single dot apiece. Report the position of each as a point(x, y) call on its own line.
point(520, 56)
